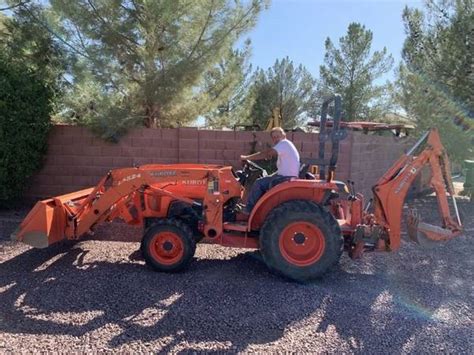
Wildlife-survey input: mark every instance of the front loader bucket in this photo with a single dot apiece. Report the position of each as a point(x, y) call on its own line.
point(43, 226)
point(47, 222)
point(426, 234)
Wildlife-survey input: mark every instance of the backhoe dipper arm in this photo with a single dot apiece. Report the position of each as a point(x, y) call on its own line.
point(392, 188)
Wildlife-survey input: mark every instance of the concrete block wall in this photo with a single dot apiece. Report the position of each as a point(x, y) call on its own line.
point(77, 159)
point(371, 156)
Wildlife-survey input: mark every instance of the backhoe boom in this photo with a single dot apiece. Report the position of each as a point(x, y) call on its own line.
point(391, 189)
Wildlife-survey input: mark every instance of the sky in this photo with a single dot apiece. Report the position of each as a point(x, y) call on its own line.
point(299, 28)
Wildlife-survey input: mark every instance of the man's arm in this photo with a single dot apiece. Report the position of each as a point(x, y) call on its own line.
point(266, 154)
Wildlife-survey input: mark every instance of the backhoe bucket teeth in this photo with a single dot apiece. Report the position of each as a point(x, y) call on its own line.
point(426, 234)
point(43, 226)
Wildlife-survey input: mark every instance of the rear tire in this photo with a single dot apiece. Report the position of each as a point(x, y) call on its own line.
point(300, 240)
point(168, 245)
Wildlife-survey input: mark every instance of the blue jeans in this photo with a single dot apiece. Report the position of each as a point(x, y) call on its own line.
point(261, 186)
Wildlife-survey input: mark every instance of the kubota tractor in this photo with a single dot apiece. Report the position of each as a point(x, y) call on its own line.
point(301, 226)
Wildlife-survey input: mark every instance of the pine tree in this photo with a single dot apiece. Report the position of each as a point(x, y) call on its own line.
point(351, 70)
point(437, 80)
point(285, 87)
point(227, 86)
point(142, 62)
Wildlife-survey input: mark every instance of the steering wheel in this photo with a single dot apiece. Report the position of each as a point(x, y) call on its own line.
point(249, 169)
point(250, 164)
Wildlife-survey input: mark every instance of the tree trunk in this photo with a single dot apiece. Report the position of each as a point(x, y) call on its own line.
point(152, 115)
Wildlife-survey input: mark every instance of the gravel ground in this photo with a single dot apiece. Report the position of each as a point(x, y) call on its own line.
point(94, 297)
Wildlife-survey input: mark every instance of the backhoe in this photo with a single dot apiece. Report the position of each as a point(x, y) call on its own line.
point(301, 226)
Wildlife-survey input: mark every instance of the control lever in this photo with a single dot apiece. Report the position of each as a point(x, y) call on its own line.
point(352, 195)
point(366, 209)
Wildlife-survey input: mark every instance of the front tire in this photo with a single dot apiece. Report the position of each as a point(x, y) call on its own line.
point(168, 245)
point(300, 240)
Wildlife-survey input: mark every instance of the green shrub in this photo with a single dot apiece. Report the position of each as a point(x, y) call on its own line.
point(25, 108)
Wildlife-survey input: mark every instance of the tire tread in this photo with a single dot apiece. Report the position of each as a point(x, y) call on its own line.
point(270, 229)
point(186, 234)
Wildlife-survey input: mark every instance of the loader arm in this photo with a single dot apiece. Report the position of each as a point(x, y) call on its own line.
point(71, 216)
point(132, 180)
point(391, 189)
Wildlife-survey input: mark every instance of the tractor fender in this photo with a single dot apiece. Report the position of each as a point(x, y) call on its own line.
point(295, 189)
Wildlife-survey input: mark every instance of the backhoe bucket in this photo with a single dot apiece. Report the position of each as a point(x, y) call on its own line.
point(426, 234)
point(43, 226)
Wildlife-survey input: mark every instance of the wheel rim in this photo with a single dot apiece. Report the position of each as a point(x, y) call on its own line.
point(167, 248)
point(302, 243)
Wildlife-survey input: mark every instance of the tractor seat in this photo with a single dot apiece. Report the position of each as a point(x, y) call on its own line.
point(304, 172)
point(280, 180)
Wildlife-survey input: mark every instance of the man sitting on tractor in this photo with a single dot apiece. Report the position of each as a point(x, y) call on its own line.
point(288, 165)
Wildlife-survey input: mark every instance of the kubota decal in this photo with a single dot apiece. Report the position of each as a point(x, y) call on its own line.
point(193, 182)
point(161, 173)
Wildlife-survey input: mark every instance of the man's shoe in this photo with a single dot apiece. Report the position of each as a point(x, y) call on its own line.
point(239, 207)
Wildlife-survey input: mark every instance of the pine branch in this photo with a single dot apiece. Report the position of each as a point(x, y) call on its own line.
point(97, 14)
point(203, 29)
point(228, 32)
point(54, 34)
point(21, 3)
point(84, 47)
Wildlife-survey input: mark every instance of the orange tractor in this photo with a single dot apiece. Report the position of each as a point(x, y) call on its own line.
point(301, 226)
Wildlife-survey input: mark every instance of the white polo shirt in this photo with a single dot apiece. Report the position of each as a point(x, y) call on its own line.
point(288, 162)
